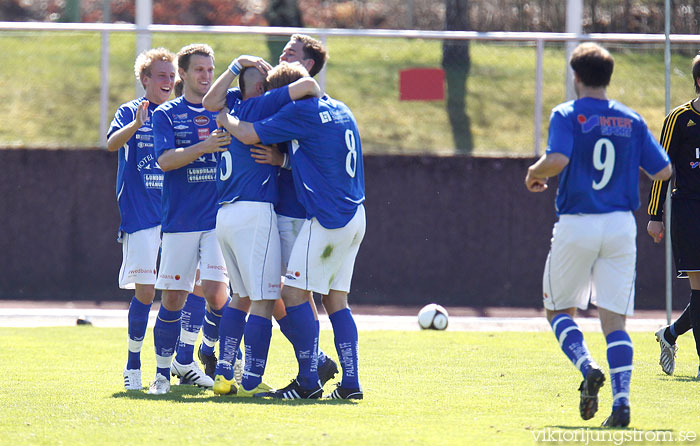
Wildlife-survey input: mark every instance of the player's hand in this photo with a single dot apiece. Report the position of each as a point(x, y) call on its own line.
point(267, 155)
point(254, 61)
point(535, 184)
point(217, 141)
point(656, 230)
point(222, 117)
point(142, 113)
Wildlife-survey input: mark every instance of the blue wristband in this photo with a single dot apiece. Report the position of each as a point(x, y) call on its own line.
point(235, 67)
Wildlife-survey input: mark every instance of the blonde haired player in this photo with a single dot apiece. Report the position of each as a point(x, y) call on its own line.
point(139, 185)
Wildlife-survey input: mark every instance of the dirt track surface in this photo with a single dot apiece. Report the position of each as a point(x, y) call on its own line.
point(114, 314)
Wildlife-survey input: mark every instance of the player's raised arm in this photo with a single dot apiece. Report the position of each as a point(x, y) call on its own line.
point(241, 130)
point(120, 137)
point(215, 99)
point(304, 87)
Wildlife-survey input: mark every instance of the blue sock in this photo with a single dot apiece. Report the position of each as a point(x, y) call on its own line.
point(571, 342)
point(346, 344)
point(230, 332)
point(322, 358)
point(286, 329)
point(305, 328)
point(210, 328)
point(138, 321)
point(192, 318)
point(256, 337)
point(620, 353)
point(165, 335)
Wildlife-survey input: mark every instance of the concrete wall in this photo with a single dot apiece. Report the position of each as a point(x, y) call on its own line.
point(460, 231)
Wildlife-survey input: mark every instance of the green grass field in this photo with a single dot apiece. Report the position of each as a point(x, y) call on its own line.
point(56, 75)
point(63, 386)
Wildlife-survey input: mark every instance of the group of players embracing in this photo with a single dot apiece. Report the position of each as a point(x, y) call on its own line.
point(238, 188)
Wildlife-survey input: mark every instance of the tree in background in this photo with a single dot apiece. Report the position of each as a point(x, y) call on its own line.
point(456, 63)
point(281, 13)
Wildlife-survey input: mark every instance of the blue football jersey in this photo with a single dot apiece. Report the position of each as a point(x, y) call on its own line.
point(189, 193)
point(326, 156)
point(233, 95)
point(606, 143)
point(288, 203)
point(139, 178)
point(240, 178)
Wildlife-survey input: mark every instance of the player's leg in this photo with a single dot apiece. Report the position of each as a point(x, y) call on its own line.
point(340, 248)
point(686, 244)
point(346, 344)
point(256, 338)
point(694, 310)
point(231, 330)
point(249, 239)
point(176, 278)
point(303, 325)
point(566, 285)
point(289, 228)
point(613, 279)
point(138, 271)
point(620, 353)
point(190, 326)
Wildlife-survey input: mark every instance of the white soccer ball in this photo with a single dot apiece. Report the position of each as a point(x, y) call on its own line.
point(433, 316)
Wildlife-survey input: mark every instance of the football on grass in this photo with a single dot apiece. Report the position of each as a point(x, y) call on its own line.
point(432, 316)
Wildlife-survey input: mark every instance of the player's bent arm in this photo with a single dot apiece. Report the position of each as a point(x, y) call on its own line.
point(306, 86)
point(241, 130)
point(120, 137)
point(548, 165)
point(173, 159)
point(215, 99)
point(662, 175)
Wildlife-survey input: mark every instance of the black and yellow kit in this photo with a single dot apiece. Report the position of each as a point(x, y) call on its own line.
point(680, 137)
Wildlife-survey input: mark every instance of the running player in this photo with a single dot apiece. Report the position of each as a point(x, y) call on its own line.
point(597, 147)
point(326, 159)
point(680, 136)
point(139, 185)
point(246, 227)
point(186, 140)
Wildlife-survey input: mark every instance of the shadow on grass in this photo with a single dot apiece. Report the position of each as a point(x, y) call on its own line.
point(189, 394)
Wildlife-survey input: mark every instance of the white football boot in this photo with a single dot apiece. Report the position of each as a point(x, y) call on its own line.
point(160, 386)
point(132, 379)
point(191, 373)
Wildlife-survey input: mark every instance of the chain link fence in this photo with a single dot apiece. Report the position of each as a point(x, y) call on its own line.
point(52, 84)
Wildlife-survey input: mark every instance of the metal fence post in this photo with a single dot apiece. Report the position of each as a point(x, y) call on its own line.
point(539, 76)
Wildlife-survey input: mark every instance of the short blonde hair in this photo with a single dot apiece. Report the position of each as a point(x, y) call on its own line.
point(144, 61)
point(284, 74)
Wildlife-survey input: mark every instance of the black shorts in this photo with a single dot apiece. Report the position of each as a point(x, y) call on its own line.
point(685, 235)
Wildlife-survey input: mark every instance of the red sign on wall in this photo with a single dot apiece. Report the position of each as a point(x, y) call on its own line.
point(422, 84)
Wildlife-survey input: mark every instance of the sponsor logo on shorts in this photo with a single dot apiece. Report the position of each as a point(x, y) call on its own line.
point(274, 285)
point(169, 276)
point(216, 267)
point(201, 120)
point(133, 272)
point(694, 164)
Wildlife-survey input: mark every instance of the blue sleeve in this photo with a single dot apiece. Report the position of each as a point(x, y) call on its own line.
point(163, 133)
point(561, 134)
point(653, 156)
point(123, 117)
point(233, 95)
point(272, 101)
point(285, 125)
